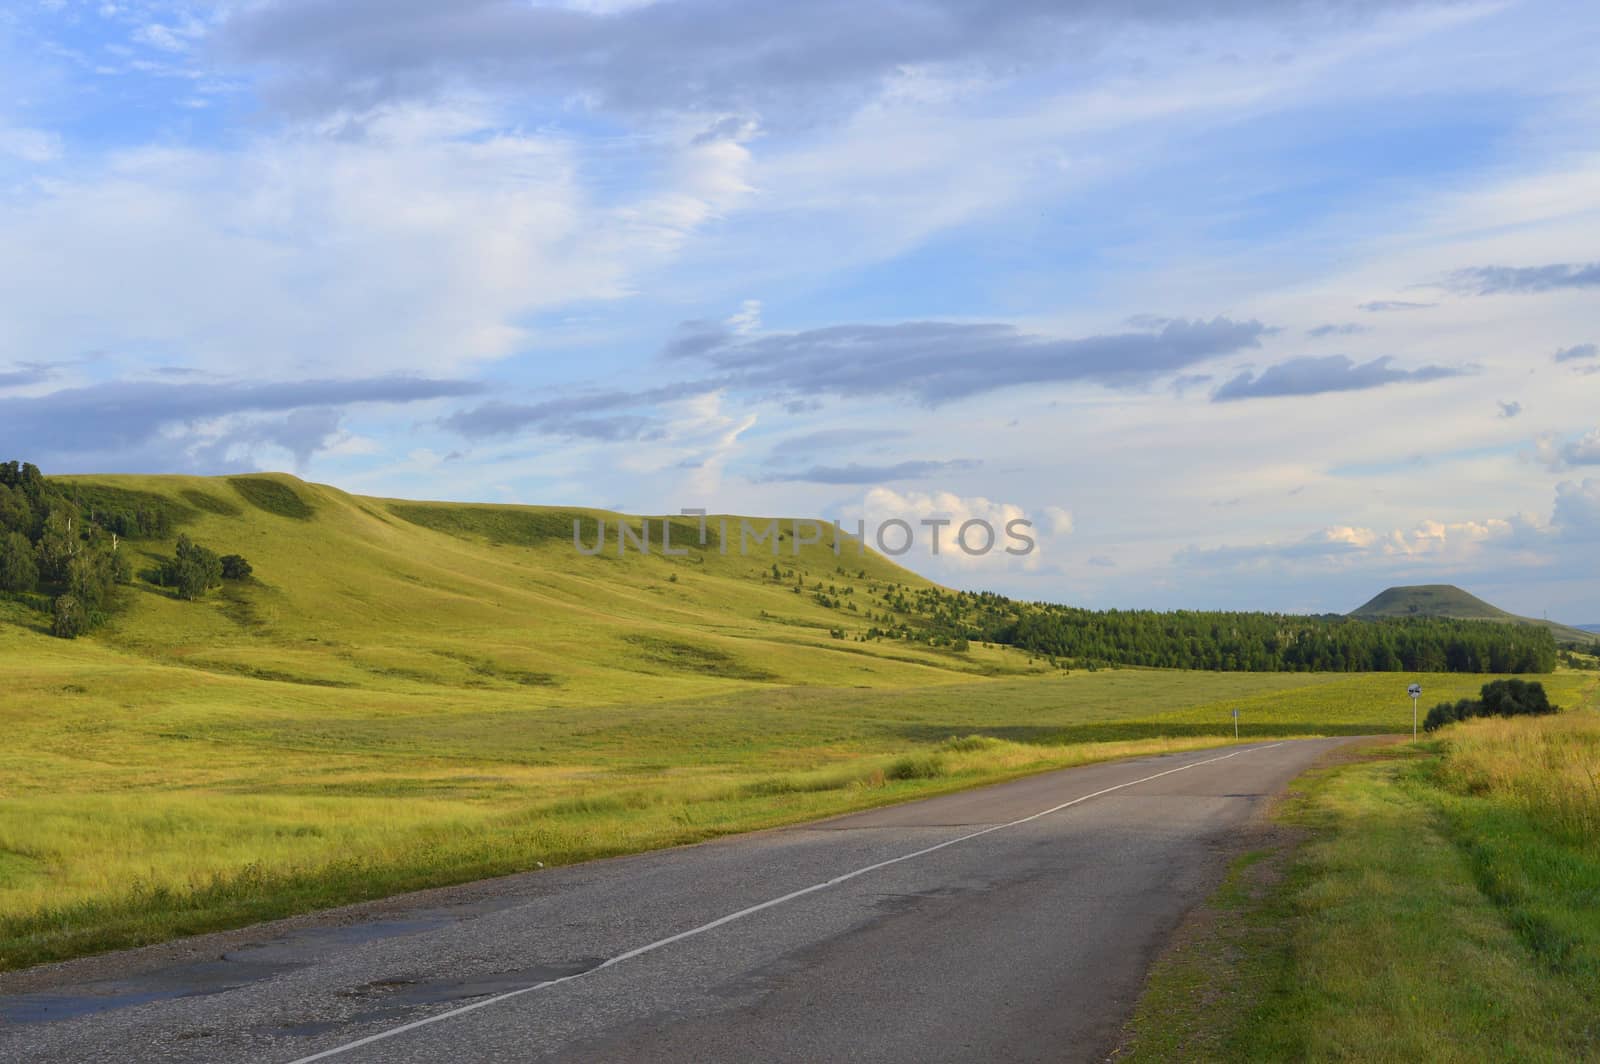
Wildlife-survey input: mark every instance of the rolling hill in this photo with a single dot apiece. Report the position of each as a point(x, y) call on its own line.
point(1447, 600)
point(493, 602)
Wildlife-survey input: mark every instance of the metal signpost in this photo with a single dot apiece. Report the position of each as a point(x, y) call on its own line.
point(1416, 693)
point(1236, 725)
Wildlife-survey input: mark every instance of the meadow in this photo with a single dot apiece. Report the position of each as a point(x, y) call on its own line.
point(408, 695)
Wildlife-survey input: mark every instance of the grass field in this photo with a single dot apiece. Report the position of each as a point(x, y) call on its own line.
point(415, 694)
point(1441, 909)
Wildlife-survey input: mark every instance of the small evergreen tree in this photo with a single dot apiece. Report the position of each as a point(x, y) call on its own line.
point(234, 567)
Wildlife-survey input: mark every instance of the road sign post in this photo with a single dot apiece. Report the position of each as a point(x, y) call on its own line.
point(1236, 725)
point(1415, 691)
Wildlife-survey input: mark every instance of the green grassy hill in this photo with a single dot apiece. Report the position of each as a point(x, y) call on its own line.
point(1447, 600)
point(495, 603)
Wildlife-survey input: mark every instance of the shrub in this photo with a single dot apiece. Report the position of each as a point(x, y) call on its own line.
point(70, 618)
point(1515, 698)
point(192, 570)
point(1499, 698)
point(1449, 713)
point(917, 767)
point(234, 567)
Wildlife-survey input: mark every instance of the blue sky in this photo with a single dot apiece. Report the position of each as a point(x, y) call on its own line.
point(1244, 304)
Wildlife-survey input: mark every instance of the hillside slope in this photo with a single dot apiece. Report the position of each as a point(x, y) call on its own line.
point(1447, 600)
point(494, 602)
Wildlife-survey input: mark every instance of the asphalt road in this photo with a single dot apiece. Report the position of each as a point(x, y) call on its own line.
point(1015, 922)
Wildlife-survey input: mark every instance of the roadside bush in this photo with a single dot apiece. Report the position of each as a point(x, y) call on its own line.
point(1450, 713)
point(917, 767)
point(1499, 698)
point(1515, 698)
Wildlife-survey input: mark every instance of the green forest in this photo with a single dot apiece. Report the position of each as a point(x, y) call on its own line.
point(1218, 641)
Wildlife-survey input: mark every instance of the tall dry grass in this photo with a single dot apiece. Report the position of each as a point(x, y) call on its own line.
point(1548, 766)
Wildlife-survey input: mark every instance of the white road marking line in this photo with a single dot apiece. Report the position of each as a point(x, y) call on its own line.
point(751, 911)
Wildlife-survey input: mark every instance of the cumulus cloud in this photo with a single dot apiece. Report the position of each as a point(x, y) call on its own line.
point(1332, 373)
point(1557, 453)
point(1058, 520)
point(1496, 280)
point(1577, 512)
point(937, 362)
point(1343, 547)
point(883, 504)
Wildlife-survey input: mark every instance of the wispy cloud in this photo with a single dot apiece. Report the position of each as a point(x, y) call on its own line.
point(1577, 352)
point(1382, 306)
point(1496, 280)
point(936, 362)
point(1333, 373)
point(874, 474)
point(104, 419)
point(25, 376)
point(699, 56)
point(834, 439)
point(1343, 329)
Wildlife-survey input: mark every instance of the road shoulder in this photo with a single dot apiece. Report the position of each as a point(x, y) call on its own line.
point(1353, 926)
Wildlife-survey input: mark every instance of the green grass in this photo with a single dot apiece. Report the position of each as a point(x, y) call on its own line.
point(1442, 908)
point(397, 702)
point(272, 496)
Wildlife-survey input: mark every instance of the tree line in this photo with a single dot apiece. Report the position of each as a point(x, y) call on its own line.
point(62, 547)
point(1209, 640)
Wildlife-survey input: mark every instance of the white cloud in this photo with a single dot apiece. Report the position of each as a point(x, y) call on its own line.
point(422, 240)
point(747, 321)
point(1058, 520)
point(1557, 453)
point(936, 519)
point(1577, 513)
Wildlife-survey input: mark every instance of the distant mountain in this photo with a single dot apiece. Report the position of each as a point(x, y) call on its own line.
point(1447, 600)
point(1595, 628)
